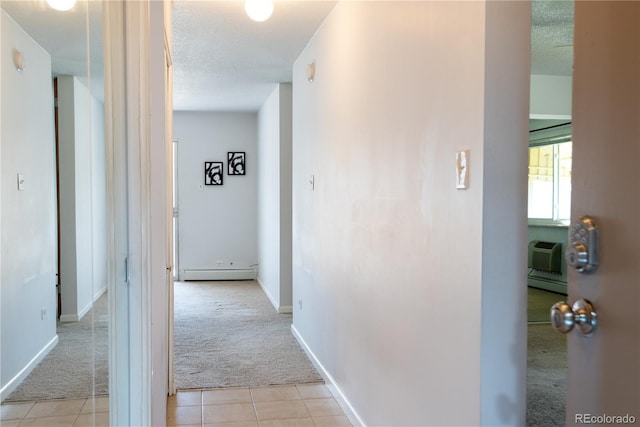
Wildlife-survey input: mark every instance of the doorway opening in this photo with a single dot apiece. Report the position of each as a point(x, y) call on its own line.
point(549, 203)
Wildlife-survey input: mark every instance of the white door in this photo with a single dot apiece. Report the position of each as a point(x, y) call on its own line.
point(604, 367)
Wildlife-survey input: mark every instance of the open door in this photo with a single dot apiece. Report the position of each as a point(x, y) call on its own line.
point(603, 384)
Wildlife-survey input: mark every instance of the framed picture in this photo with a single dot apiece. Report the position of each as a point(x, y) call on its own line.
point(213, 172)
point(236, 163)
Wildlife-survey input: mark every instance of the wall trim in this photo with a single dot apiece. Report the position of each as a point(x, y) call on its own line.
point(14, 382)
point(99, 293)
point(330, 382)
point(282, 309)
point(65, 318)
point(77, 317)
point(240, 274)
point(272, 300)
point(285, 309)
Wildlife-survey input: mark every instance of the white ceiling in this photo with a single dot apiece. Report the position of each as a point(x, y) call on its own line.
point(233, 63)
point(552, 37)
point(224, 61)
point(64, 36)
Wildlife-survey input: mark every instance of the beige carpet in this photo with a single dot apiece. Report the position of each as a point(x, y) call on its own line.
point(227, 334)
point(546, 376)
point(539, 304)
point(77, 367)
point(546, 362)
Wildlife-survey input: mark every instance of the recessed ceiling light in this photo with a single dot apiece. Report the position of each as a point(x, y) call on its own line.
point(61, 4)
point(259, 10)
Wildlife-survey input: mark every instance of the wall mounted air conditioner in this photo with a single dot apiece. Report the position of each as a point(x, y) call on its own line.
point(545, 256)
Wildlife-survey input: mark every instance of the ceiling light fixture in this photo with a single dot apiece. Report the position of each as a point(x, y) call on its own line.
point(259, 10)
point(61, 4)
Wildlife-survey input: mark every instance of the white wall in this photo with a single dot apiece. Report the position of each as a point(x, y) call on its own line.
point(550, 97)
point(217, 223)
point(28, 227)
point(395, 270)
point(274, 197)
point(504, 214)
point(161, 198)
point(98, 198)
point(83, 274)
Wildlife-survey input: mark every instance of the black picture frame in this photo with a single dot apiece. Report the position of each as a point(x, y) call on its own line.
point(236, 163)
point(213, 173)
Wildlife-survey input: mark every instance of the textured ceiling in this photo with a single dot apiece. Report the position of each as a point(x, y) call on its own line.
point(64, 36)
point(224, 61)
point(236, 62)
point(552, 37)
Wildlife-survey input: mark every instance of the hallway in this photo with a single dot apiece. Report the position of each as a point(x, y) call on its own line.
point(227, 334)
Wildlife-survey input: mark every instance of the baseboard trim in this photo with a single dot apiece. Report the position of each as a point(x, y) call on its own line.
point(24, 373)
point(240, 274)
point(100, 292)
point(282, 309)
point(337, 393)
point(64, 318)
point(268, 294)
point(285, 309)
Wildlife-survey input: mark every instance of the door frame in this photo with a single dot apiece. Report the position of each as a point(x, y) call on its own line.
point(175, 213)
point(138, 111)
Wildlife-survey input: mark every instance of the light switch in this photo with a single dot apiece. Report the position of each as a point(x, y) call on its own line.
point(20, 182)
point(312, 182)
point(462, 169)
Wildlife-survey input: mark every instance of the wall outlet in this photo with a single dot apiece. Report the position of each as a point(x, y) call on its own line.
point(220, 262)
point(43, 313)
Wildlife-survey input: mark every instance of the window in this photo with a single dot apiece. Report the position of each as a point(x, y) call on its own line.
point(550, 177)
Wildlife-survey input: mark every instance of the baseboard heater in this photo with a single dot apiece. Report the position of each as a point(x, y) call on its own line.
point(545, 256)
point(239, 274)
point(548, 285)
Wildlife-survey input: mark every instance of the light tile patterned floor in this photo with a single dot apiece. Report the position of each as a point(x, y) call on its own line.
point(56, 413)
point(278, 406)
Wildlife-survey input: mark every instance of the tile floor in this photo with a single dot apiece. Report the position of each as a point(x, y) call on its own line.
point(277, 406)
point(56, 413)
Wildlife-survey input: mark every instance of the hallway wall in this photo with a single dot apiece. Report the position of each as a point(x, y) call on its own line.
point(27, 217)
point(550, 97)
point(274, 197)
point(218, 224)
point(398, 276)
point(83, 202)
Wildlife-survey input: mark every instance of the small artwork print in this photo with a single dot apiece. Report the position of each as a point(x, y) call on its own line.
point(236, 163)
point(213, 173)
